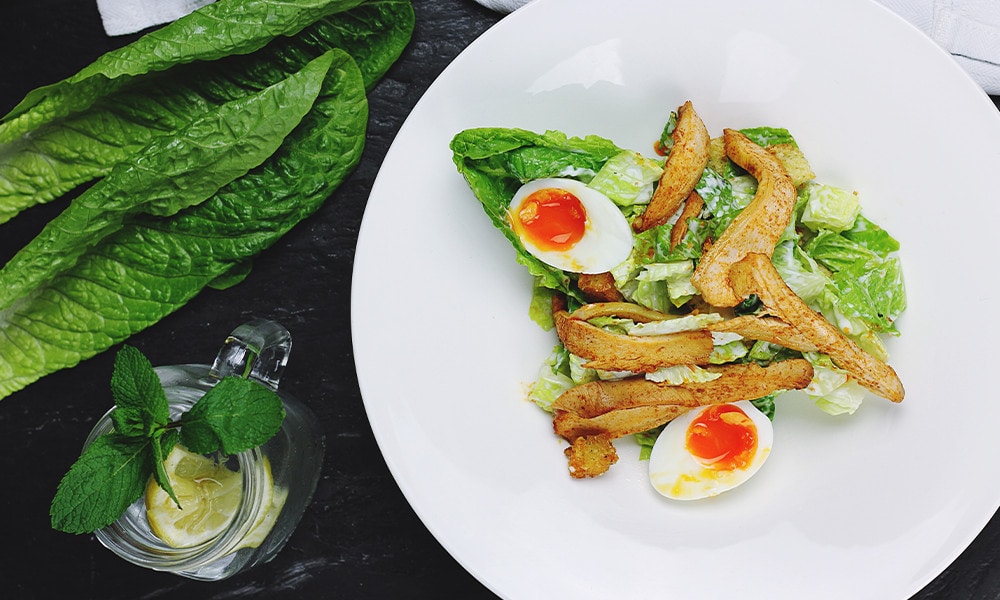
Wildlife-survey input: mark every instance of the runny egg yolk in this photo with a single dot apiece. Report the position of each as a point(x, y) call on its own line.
point(722, 437)
point(552, 219)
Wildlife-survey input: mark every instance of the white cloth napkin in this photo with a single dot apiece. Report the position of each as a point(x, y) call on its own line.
point(968, 29)
point(128, 16)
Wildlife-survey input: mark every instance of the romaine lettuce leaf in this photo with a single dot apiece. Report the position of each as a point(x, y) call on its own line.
point(153, 266)
point(173, 172)
point(220, 29)
point(79, 147)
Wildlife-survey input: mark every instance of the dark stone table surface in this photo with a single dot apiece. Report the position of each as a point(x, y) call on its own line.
point(359, 538)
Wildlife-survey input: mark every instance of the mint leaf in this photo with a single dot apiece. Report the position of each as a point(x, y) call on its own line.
point(141, 405)
point(163, 443)
point(108, 477)
point(235, 415)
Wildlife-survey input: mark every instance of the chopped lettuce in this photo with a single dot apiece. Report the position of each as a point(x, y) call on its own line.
point(627, 178)
point(871, 236)
point(666, 141)
point(800, 272)
point(835, 251)
point(675, 278)
point(679, 374)
point(540, 308)
point(724, 198)
point(553, 379)
point(766, 404)
point(685, 323)
point(768, 136)
point(646, 439)
point(579, 373)
point(766, 352)
point(728, 352)
point(831, 388)
point(864, 285)
point(829, 207)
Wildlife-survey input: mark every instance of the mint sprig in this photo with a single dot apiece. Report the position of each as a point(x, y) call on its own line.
point(234, 416)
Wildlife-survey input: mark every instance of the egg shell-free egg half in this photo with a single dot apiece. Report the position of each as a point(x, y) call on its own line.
point(677, 474)
point(607, 237)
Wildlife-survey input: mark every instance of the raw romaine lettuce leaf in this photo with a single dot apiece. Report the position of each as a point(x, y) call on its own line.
point(173, 172)
point(153, 266)
point(79, 147)
point(217, 30)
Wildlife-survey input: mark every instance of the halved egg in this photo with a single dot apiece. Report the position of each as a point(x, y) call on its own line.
point(569, 226)
point(710, 450)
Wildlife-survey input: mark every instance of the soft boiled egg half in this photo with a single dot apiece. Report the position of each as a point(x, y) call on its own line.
point(569, 226)
point(710, 450)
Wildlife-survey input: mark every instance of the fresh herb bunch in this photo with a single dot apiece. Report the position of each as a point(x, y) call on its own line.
point(234, 416)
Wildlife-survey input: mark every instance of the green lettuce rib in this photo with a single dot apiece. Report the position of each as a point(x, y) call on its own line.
point(173, 172)
point(153, 266)
point(76, 148)
point(221, 29)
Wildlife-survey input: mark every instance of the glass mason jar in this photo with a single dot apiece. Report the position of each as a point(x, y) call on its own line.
point(278, 478)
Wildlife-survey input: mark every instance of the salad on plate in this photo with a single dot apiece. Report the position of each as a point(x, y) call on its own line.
point(690, 287)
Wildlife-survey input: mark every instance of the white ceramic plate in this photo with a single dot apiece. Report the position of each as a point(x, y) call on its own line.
point(869, 506)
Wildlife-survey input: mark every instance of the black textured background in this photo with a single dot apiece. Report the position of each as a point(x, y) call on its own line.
point(359, 538)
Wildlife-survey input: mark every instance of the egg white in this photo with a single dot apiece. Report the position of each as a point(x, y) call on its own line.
point(676, 474)
point(607, 238)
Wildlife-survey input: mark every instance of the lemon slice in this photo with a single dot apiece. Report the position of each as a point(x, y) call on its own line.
point(210, 495)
